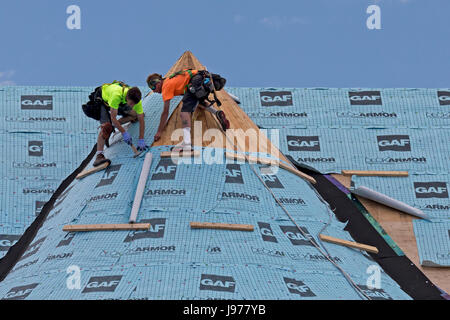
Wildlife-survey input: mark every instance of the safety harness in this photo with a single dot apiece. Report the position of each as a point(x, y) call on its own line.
point(120, 83)
point(206, 84)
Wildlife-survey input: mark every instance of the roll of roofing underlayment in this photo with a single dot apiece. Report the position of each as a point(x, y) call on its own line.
point(387, 201)
point(140, 187)
point(236, 99)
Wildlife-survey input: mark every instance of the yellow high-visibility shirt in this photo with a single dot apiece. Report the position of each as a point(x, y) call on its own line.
point(115, 95)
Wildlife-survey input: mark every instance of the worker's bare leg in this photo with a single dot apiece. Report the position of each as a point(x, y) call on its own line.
point(208, 107)
point(186, 124)
point(100, 142)
point(220, 115)
point(105, 132)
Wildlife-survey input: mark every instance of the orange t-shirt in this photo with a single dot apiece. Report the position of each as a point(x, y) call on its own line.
point(176, 86)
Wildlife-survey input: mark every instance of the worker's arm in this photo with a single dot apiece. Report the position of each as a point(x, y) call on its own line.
point(163, 121)
point(141, 126)
point(116, 122)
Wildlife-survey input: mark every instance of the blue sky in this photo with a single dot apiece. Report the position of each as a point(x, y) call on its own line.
point(296, 43)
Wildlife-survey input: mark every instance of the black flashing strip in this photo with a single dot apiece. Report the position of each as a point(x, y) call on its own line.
point(14, 254)
point(400, 268)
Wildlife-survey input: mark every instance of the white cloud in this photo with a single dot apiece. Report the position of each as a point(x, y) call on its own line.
point(5, 78)
point(297, 20)
point(277, 22)
point(238, 18)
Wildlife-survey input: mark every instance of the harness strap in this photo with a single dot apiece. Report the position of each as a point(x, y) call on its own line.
point(189, 71)
point(120, 83)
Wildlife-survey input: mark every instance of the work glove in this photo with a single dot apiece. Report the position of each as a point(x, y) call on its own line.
point(142, 146)
point(127, 138)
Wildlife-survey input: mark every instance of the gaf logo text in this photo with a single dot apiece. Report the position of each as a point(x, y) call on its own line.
point(298, 287)
point(38, 207)
point(7, 241)
point(296, 236)
point(296, 143)
point(266, 232)
point(109, 176)
point(157, 228)
point(431, 190)
point(20, 293)
point(66, 241)
point(62, 197)
point(272, 181)
point(35, 148)
point(394, 143)
point(233, 174)
point(36, 102)
point(375, 294)
point(365, 98)
point(33, 248)
point(166, 170)
point(444, 98)
point(102, 284)
point(276, 98)
point(214, 282)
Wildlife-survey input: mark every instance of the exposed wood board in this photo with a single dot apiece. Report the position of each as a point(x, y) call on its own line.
point(93, 170)
point(221, 226)
point(271, 162)
point(106, 227)
point(347, 243)
point(170, 154)
point(375, 173)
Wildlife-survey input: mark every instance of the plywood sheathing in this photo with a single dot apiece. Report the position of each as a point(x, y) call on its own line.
point(399, 227)
point(237, 117)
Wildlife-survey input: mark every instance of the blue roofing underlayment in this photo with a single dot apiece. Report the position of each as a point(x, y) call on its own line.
point(46, 136)
point(370, 129)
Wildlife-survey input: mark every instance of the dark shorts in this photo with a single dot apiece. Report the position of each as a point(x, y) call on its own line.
point(105, 116)
point(190, 101)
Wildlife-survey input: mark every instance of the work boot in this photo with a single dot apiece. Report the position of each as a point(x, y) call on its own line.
point(100, 159)
point(107, 129)
point(223, 120)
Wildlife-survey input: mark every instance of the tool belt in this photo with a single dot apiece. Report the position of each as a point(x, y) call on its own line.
point(201, 86)
point(93, 106)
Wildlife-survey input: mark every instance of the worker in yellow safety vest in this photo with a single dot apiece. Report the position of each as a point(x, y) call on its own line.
point(106, 103)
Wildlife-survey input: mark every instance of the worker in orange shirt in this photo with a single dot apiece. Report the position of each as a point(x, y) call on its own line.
point(195, 86)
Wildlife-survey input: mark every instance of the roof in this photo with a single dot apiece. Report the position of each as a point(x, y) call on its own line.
point(277, 260)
